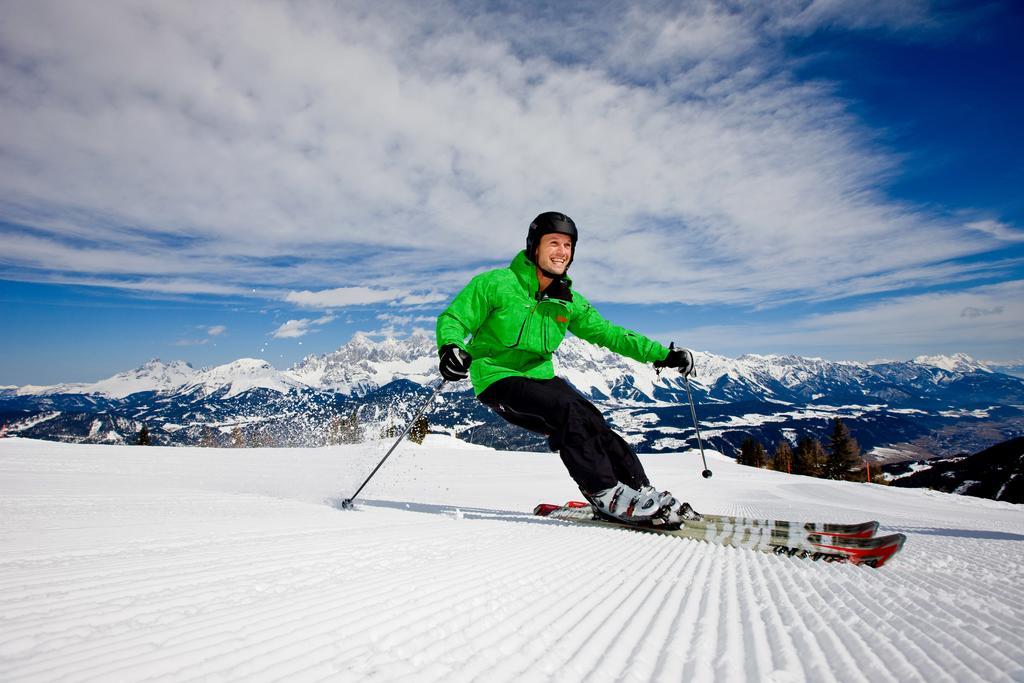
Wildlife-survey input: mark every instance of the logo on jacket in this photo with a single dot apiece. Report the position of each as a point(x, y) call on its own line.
point(562, 319)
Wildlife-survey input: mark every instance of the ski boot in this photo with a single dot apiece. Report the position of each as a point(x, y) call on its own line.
point(646, 507)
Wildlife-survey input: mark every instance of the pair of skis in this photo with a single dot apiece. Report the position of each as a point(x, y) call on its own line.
point(850, 543)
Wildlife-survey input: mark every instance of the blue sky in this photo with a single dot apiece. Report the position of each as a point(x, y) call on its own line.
point(262, 179)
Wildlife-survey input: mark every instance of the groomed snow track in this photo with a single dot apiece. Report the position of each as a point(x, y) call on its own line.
point(121, 563)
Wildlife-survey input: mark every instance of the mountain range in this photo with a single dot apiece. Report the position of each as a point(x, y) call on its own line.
point(932, 405)
point(996, 472)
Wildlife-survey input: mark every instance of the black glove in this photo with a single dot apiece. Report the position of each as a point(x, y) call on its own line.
point(677, 358)
point(454, 365)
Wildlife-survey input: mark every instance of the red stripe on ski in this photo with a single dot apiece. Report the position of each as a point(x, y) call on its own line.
point(860, 534)
point(872, 557)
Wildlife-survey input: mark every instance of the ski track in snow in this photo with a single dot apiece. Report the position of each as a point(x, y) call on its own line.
point(121, 563)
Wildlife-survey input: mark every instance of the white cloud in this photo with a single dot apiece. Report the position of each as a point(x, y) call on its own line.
point(982, 321)
point(422, 299)
point(998, 229)
point(406, 321)
point(191, 342)
point(391, 331)
point(300, 328)
point(292, 328)
point(343, 296)
point(210, 330)
point(150, 286)
point(907, 14)
point(308, 149)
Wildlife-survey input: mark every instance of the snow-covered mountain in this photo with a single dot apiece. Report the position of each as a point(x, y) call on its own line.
point(949, 401)
point(238, 377)
point(996, 473)
point(234, 378)
point(958, 362)
point(1010, 367)
point(153, 376)
point(356, 368)
point(362, 365)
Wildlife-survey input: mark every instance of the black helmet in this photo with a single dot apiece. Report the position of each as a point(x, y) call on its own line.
point(547, 223)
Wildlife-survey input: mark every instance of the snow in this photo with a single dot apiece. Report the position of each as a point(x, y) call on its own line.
point(1009, 367)
point(914, 469)
point(136, 563)
point(241, 376)
point(887, 454)
point(630, 421)
point(958, 362)
point(363, 364)
point(1003, 487)
point(980, 413)
point(669, 443)
point(820, 411)
point(153, 376)
point(30, 422)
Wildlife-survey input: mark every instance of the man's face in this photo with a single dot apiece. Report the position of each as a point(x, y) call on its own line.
point(554, 253)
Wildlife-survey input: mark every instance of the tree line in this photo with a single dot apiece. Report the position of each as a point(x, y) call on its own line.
point(839, 459)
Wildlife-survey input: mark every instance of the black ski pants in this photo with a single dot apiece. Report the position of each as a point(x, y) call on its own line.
point(595, 456)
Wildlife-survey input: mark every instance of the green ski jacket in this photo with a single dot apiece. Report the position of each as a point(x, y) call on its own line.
point(511, 330)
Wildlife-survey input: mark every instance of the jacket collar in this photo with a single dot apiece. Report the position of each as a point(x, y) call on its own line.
point(526, 272)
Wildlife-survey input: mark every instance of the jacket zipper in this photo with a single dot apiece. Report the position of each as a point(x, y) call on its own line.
point(562, 307)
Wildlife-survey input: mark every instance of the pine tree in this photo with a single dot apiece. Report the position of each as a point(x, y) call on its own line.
point(143, 439)
point(237, 440)
point(419, 429)
point(809, 457)
point(263, 438)
point(208, 439)
point(843, 452)
point(345, 429)
point(782, 458)
point(751, 453)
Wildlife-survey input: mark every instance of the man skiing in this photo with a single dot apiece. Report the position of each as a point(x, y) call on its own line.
point(501, 330)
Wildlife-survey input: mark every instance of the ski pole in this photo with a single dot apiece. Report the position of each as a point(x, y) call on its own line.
point(693, 412)
point(347, 503)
